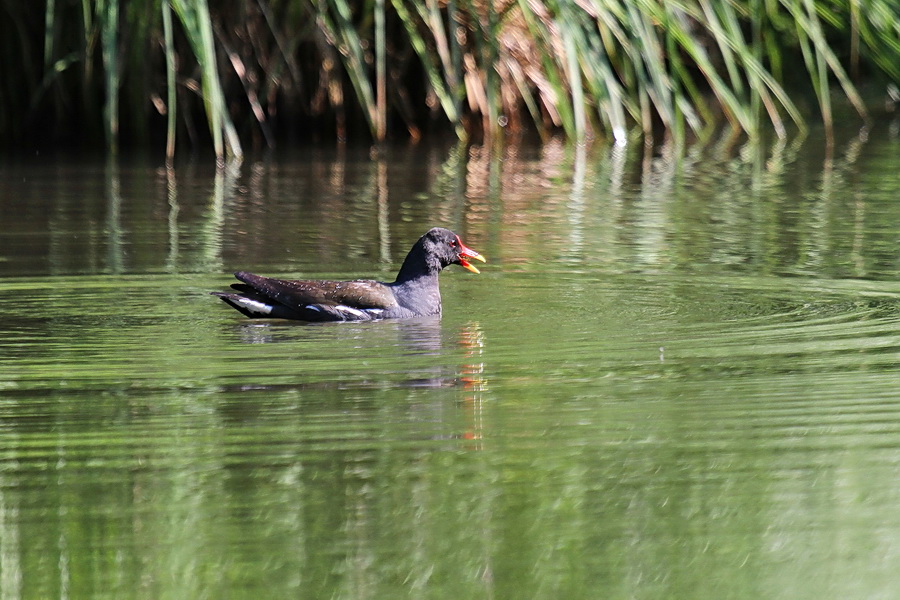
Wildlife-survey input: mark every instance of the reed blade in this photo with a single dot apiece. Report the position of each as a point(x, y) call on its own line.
point(172, 93)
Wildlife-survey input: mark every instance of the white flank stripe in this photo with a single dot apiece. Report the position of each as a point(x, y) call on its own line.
point(254, 306)
point(351, 311)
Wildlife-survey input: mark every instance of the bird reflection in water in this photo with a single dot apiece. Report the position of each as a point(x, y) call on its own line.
point(407, 338)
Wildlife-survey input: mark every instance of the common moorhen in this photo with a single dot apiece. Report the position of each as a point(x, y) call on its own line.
point(415, 293)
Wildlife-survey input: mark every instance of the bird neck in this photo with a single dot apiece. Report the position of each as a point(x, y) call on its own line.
point(418, 265)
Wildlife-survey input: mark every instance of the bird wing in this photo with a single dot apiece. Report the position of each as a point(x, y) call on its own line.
point(360, 294)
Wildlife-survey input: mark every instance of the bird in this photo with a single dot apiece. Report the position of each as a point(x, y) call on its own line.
point(415, 292)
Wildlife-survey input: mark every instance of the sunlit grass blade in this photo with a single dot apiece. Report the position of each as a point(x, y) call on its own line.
point(342, 30)
point(655, 76)
point(444, 82)
point(591, 35)
point(108, 17)
point(611, 99)
point(172, 93)
point(569, 32)
point(447, 51)
point(380, 72)
point(549, 83)
point(481, 63)
point(195, 17)
point(828, 60)
point(879, 35)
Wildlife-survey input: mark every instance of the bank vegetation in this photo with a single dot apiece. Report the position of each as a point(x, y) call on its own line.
point(256, 73)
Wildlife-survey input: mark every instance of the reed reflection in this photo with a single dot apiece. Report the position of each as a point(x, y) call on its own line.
point(115, 235)
point(474, 381)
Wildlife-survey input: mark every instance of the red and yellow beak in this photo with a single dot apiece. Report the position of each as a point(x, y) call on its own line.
point(465, 253)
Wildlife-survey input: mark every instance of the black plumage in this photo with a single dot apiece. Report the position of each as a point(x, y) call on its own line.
point(414, 293)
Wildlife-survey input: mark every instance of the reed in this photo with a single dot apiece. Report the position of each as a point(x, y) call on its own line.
point(197, 22)
point(262, 70)
point(171, 92)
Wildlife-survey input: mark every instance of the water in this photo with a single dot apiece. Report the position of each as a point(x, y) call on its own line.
point(673, 378)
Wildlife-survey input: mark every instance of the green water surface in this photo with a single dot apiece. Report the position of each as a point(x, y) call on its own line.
point(676, 377)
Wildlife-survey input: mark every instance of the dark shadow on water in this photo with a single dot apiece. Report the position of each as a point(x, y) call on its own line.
point(410, 338)
point(388, 363)
point(422, 336)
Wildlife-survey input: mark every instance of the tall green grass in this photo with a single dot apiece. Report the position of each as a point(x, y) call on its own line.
point(257, 71)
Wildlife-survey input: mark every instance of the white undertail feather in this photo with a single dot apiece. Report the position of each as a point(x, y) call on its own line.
point(255, 306)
